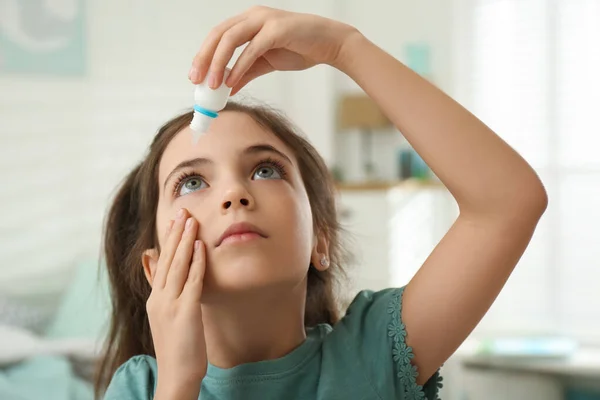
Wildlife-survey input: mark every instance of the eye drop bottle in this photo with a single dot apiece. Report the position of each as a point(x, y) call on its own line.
point(207, 104)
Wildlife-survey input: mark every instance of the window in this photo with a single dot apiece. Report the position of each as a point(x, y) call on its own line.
point(530, 70)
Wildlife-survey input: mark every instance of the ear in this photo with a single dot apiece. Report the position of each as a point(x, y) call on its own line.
point(320, 253)
point(149, 261)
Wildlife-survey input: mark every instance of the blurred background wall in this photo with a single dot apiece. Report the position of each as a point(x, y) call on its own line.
point(84, 85)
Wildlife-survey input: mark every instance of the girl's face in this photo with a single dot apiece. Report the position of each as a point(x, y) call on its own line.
point(238, 172)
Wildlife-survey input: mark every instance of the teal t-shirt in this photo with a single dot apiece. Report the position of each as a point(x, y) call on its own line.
point(364, 356)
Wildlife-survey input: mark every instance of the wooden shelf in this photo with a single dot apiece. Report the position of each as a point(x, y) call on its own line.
point(386, 185)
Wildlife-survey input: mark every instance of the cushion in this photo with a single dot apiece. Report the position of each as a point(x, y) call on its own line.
point(84, 309)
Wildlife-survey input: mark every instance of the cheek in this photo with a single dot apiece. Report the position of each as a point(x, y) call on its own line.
point(194, 204)
point(294, 217)
point(201, 206)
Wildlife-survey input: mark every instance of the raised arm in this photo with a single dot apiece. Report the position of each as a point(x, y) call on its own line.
point(500, 198)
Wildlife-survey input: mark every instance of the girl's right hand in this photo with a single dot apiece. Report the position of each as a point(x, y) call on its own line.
point(174, 308)
point(278, 40)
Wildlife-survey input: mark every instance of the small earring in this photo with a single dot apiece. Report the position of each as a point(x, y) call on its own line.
point(324, 262)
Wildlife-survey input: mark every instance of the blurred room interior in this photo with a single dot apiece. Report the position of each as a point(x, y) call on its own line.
point(85, 84)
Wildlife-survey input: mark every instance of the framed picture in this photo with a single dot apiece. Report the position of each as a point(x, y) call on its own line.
point(418, 58)
point(45, 37)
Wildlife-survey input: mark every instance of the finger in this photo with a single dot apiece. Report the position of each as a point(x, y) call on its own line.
point(178, 272)
point(204, 57)
point(169, 249)
point(168, 230)
point(259, 68)
point(236, 36)
point(258, 46)
point(195, 281)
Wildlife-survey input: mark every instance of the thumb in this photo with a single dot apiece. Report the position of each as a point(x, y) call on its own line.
point(260, 67)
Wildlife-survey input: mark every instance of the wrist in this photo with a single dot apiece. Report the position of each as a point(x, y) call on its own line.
point(351, 45)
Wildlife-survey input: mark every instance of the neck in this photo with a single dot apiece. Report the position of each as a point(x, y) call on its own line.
point(264, 327)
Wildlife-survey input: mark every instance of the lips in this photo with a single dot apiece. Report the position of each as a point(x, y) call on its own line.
point(240, 228)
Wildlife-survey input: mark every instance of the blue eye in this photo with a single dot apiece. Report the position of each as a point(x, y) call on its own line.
point(266, 172)
point(191, 184)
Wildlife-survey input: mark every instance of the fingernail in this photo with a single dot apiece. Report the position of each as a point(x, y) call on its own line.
point(212, 81)
point(196, 245)
point(192, 74)
point(188, 224)
point(180, 213)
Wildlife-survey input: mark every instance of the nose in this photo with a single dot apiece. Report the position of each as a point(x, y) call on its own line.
point(237, 197)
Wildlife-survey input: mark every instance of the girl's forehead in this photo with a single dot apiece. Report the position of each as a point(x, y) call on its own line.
point(228, 136)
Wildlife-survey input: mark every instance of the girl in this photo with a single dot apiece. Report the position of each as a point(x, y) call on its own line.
point(223, 256)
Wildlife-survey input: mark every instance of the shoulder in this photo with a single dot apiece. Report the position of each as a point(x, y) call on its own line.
point(372, 332)
point(138, 365)
point(369, 298)
point(369, 310)
point(139, 361)
point(133, 380)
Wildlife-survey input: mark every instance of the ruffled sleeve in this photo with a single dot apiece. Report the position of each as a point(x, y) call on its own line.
point(375, 333)
point(134, 380)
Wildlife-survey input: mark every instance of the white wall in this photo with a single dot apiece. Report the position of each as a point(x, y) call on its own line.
point(392, 24)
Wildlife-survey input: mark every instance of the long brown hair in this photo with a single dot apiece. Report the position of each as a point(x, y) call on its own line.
point(130, 229)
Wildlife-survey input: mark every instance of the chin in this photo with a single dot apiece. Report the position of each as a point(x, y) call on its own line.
point(246, 271)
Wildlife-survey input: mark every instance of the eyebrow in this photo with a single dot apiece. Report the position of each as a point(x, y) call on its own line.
point(195, 162)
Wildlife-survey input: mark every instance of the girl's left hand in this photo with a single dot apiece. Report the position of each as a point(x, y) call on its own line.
point(277, 41)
